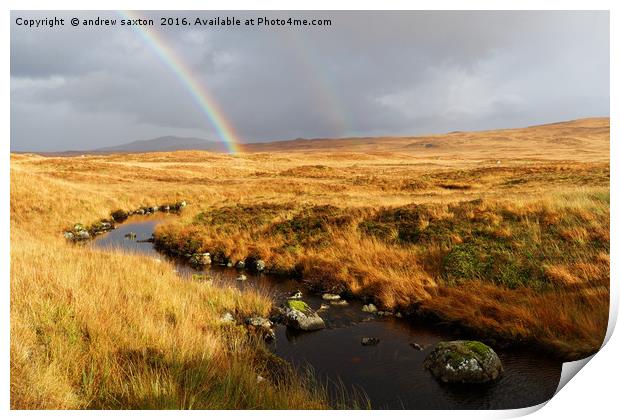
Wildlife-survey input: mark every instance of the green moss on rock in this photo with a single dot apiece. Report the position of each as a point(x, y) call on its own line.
point(464, 362)
point(298, 305)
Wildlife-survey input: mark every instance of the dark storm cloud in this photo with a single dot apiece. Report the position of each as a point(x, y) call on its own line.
point(370, 73)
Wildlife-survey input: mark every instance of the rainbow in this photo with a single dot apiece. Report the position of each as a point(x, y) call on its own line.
point(203, 98)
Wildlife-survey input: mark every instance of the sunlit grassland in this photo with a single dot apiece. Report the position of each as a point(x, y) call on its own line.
point(497, 232)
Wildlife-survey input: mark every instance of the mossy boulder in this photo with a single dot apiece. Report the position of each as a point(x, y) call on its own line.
point(200, 260)
point(464, 362)
point(298, 315)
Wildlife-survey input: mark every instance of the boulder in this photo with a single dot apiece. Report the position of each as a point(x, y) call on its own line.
point(370, 308)
point(102, 226)
point(242, 277)
point(227, 318)
point(298, 315)
point(330, 296)
point(69, 235)
point(200, 260)
point(416, 346)
point(259, 265)
point(240, 264)
point(261, 326)
point(295, 296)
point(82, 234)
point(464, 362)
point(258, 321)
point(370, 341)
point(340, 302)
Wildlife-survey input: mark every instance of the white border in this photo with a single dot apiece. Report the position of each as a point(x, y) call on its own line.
point(592, 394)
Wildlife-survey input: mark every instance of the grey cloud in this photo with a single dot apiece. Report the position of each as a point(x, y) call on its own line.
point(370, 73)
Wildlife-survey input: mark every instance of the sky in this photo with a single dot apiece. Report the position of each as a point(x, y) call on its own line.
point(367, 74)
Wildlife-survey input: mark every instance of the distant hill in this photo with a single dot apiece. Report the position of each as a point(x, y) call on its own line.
point(163, 144)
point(587, 137)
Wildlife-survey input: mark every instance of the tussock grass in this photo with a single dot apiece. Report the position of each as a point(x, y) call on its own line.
point(497, 258)
point(109, 330)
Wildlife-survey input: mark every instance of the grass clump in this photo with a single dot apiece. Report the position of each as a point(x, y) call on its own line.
point(240, 216)
point(311, 226)
point(492, 261)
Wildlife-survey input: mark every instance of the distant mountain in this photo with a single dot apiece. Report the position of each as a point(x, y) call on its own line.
point(163, 144)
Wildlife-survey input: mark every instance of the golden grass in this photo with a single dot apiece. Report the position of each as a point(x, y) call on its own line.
point(103, 329)
point(94, 329)
point(505, 270)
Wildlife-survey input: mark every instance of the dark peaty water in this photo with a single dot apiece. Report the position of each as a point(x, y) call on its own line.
point(391, 374)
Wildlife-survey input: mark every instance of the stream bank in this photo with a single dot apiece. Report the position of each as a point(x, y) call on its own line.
point(390, 373)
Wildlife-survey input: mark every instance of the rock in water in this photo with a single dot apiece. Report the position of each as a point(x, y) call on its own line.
point(416, 346)
point(298, 315)
point(464, 362)
point(301, 321)
point(295, 296)
point(369, 308)
point(259, 265)
point(370, 341)
point(200, 260)
point(82, 234)
point(330, 296)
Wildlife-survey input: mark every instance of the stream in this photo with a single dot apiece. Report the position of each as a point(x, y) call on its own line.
point(391, 374)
